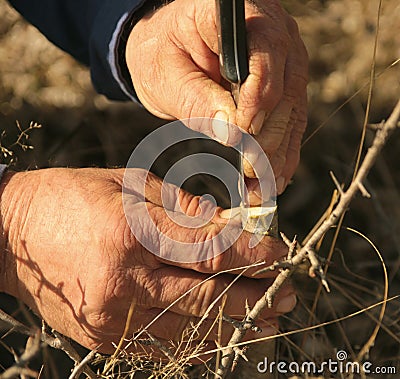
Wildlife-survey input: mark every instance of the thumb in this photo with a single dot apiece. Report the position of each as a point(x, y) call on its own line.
point(198, 96)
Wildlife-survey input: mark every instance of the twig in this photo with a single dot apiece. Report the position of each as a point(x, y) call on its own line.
point(364, 191)
point(346, 197)
point(337, 184)
point(18, 369)
point(79, 368)
point(164, 349)
point(64, 345)
point(57, 342)
point(124, 334)
point(284, 274)
point(238, 353)
point(316, 268)
point(15, 325)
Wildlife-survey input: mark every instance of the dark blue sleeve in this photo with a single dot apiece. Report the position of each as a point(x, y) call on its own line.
point(89, 31)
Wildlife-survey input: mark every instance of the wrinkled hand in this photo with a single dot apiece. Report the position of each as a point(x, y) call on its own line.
point(72, 258)
point(172, 56)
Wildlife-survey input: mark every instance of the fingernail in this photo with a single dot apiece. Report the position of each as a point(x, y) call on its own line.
point(280, 184)
point(220, 127)
point(286, 304)
point(230, 213)
point(257, 122)
point(255, 164)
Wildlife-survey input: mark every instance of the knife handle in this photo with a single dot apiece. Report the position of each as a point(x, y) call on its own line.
point(232, 44)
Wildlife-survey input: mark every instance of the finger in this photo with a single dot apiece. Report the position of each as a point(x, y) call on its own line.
point(293, 150)
point(296, 69)
point(172, 326)
point(255, 162)
point(296, 77)
point(184, 80)
point(260, 191)
point(196, 91)
point(263, 89)
point(209, 247)
point(197, 95)
point(278, 158)
point(160, 350)
point(190, 293)
point(145, 186)
point(161, 225)
point(274, 128)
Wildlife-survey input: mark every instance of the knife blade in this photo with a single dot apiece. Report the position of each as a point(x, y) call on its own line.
point(234, 67)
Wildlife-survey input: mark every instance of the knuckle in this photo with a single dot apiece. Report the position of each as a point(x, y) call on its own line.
point(190, 103)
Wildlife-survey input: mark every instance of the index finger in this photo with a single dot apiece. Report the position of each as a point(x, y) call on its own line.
point(268, 42)
point(190, 233)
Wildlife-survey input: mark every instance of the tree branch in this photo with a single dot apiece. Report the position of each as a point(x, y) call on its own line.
point(307, 251)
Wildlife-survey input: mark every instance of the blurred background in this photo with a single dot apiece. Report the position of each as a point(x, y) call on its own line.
point(40, 83)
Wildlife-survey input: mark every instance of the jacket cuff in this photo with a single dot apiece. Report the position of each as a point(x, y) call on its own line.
point(3, 169)
point(106, 71)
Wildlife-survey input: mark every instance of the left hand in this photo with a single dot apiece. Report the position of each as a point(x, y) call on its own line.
point(72, 258)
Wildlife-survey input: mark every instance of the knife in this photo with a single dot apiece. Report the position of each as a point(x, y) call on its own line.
point(234, 67)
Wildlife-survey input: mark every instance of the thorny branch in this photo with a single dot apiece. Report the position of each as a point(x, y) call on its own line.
point(307, 251)
point(18, 369)
point(57, 342)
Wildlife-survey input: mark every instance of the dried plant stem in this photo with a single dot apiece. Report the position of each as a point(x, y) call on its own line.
point(57, 342)
point(18, 369)
point(79, 368)
point(345, 199)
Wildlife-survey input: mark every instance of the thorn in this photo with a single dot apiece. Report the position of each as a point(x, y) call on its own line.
point(238, 353)
point(292, 248)
point(363, 190)
point(247, 307)
point(265, 269)
point(285, 239)
point(241, 352)
point(236, 324)
point(337, 184)
point(316, 269)
point(377, 126)
point(320, 273)
point(256, 329)
point(290, 244)
point(325, 284)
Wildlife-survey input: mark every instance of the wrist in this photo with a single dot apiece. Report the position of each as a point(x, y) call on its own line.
point(10, 216)
point(149, 7)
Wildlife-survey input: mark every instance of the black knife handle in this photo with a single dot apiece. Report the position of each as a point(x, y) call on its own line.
point(232, 42)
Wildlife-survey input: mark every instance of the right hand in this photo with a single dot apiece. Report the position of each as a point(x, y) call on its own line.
point(172, 57)
point(72, 258)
